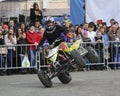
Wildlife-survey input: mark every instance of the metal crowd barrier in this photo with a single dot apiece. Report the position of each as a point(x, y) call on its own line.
point(12, 56)
point(109, 57)
point(113, 61)
point(98, 48)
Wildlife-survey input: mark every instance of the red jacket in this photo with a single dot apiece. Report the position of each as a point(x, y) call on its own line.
point(32, 38)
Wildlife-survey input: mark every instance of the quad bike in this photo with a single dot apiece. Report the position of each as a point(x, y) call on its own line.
point(60, 58)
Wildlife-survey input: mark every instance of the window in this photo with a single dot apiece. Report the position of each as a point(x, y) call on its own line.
point(57, 0)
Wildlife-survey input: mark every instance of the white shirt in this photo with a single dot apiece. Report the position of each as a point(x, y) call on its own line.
point(10, 44)
point(91, 35)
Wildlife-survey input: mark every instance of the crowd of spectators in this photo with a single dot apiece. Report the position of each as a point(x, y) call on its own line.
point(12, 34)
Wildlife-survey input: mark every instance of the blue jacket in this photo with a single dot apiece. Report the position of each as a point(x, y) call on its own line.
point(105, 39)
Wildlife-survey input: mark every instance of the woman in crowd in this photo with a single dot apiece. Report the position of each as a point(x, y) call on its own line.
point(10, 41)
point(35, 14)
point(23, 27)
point(79, 34)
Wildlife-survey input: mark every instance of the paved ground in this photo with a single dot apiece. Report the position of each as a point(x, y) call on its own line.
point(90, 83)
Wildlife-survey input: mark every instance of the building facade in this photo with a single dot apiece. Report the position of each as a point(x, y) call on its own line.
point(12, 8)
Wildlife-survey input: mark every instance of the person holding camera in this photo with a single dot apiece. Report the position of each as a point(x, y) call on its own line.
point(35, 14)
point(10, 41)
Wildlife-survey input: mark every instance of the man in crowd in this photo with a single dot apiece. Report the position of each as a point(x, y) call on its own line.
point(33, 38)
point(114, 36)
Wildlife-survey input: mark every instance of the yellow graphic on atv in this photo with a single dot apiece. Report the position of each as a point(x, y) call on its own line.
point(64, 46)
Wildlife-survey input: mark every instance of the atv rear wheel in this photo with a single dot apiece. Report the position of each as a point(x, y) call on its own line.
point(92, 55)
point(78, 58)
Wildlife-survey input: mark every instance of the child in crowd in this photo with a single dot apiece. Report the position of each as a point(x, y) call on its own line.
point(99, 48)
point(85, 37)
point(99, 45)
point(70, 36)
point(66, 19)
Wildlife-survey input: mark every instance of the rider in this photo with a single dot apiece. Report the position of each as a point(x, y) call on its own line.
point(52, 31)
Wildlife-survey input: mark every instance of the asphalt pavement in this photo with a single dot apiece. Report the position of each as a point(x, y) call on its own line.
point(88, 83)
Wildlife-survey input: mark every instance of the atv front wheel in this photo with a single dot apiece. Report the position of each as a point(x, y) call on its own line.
point(64, 77)
point(44, 78)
